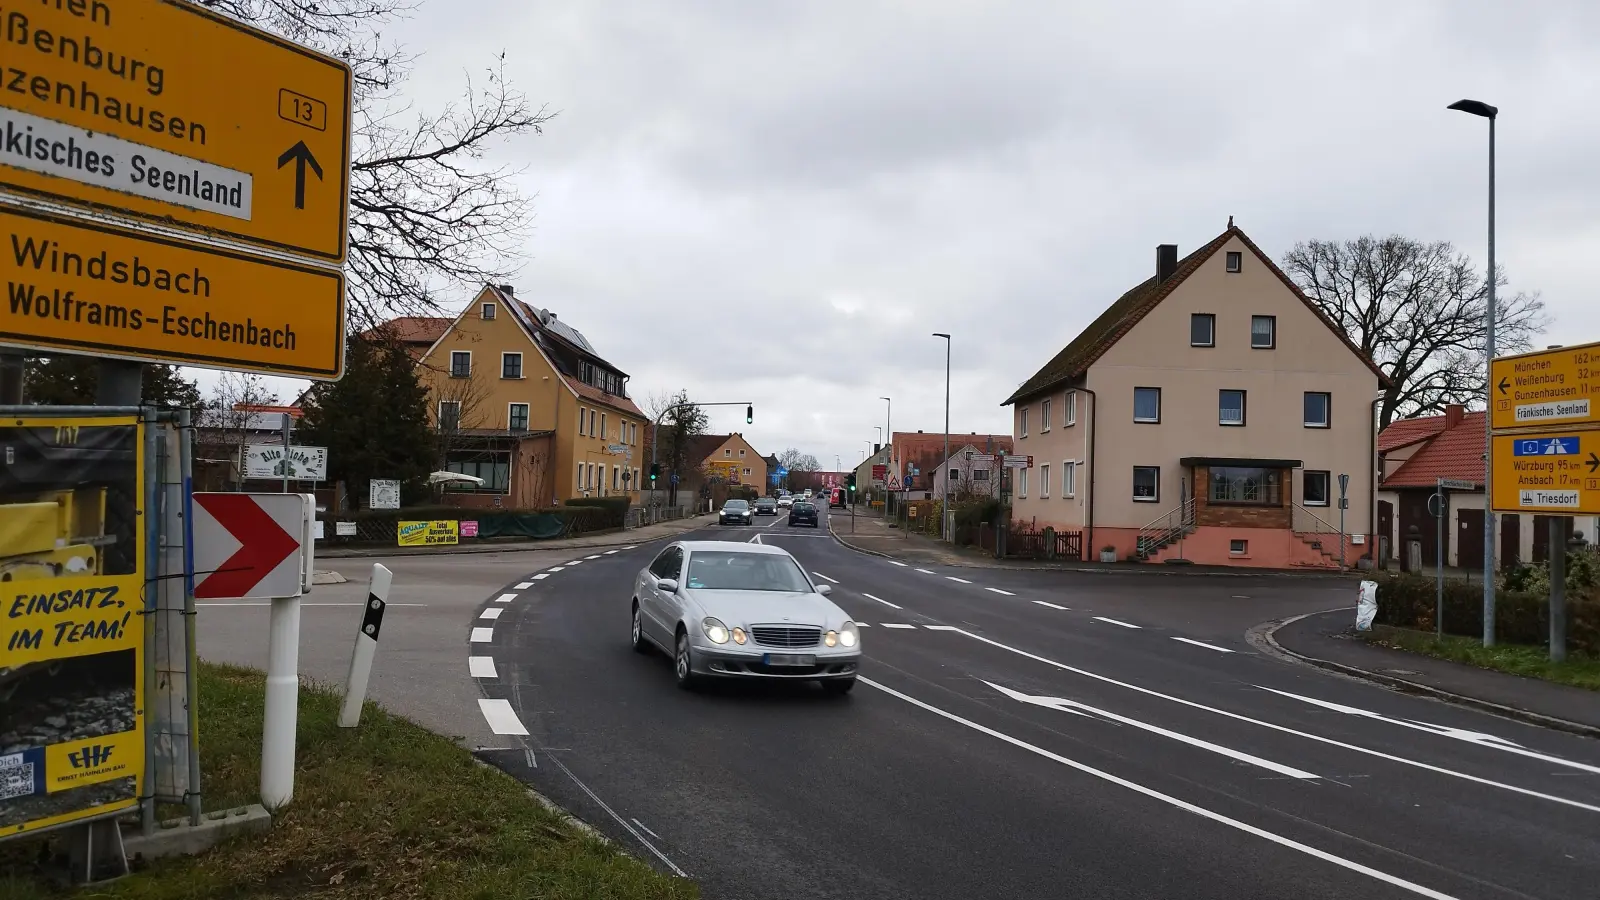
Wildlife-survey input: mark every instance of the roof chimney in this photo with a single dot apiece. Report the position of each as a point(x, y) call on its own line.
point(1453, 414)
point(1166, 261)
point(506, 289)
point(919, 431)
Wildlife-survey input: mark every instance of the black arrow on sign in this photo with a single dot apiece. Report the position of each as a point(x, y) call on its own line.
point(1502, 385)
point(301, 156)
point(1594, 462)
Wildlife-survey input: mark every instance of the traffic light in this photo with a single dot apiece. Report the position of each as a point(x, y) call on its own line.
point(655, 472)
point(850, 482)
point(749, 415)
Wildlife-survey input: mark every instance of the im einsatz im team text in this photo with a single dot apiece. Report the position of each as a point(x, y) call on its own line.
point(54, 304)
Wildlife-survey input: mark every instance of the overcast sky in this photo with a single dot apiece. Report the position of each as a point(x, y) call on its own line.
point(778, 202)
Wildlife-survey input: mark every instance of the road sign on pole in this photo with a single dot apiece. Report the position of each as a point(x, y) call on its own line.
point(96, 289)
point(1559, 387)
point(248, 545)
point(176, 114)
point(1547, 472)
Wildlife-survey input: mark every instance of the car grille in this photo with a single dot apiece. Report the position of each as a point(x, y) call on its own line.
point(786, 635)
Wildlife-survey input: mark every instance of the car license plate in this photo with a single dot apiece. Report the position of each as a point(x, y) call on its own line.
point(789, 659)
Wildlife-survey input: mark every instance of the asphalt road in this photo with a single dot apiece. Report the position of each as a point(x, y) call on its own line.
point(1027, 734)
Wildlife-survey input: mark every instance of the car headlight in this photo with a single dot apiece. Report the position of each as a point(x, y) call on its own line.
point(831, 639)
point(849, 635)
point(738, 635)
point(715, 630)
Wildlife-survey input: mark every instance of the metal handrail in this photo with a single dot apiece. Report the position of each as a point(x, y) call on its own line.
point(1165, 530)
point(1331, 529)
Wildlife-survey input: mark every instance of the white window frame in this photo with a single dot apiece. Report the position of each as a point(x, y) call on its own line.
point(1070, 416)
point(468, 355)
point(1044, 415)
point(1044, 481)
point(727, 452)
point(603, 434)
point(1244, 407)
point(579, 482)
point(527, 415)
point(521, 373)
point(1022, 423)
point(581, 413)
point(616, 478)
point(1022, 483)
point(746, 471)
point(741, 451)
point(1069, 478)
point(486, 312)
point(1146, 421)
point(1327, 487)
point(1233, 262)
point(1134, 492)
point(1274, 333)
point(442, 405)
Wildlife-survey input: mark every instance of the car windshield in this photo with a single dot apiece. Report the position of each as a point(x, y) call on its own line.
point(735, 504)
point(717, 570)
point(804, 507)
point(765, 501)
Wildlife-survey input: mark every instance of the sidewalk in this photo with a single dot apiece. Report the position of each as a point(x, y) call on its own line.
point(623, 538)
point(873, 536)
point(1329, 640)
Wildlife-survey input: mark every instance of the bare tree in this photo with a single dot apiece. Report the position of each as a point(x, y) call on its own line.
point(235, 401)
point(426, 213)
point(681, 422)
point(459, 402)
point(1418, 311)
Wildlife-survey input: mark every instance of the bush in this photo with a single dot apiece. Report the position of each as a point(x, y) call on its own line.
point(1520, 616)
point(976, 512)
point(614, 509)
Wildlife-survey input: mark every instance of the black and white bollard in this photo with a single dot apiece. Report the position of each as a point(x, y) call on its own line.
point(355, 692)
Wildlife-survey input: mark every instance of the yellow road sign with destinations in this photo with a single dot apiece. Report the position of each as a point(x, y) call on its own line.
point(1557, 388)
point(88, 288)
point(1547, 472)
point(162, 109)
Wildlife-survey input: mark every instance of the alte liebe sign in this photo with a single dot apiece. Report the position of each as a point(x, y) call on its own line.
point(269, 461)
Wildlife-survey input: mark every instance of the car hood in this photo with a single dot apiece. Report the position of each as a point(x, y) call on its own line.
point(743, 608)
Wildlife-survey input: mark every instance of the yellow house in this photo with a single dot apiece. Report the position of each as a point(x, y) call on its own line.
point(522, 400)
point(729, 459)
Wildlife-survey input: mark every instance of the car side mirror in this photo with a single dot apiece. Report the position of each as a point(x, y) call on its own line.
point(824, 589)
point(670, 585)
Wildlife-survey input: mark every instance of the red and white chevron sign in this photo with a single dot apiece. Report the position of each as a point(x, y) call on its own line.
point(248, 545)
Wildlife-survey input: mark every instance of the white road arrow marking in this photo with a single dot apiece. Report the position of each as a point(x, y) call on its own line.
point(1472, 737)
point(1074, 706)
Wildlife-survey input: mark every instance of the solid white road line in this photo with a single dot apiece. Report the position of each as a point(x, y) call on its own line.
point(505, 598)
point(897, 625)
point(1203, 644)
point(501, 717)
point(1051, 605)
point(491, 613)
point(524, 585)
point(924, 571)
point(540, 577)
point(1114, 622)
point(1165, 798)
point(826, 578)
point(998, 591)
point(962, 580)
point(1238, 717)
point(646, 830)
point(481, 667)
point(482, 635)
point(1074, 706)
point(896, 562)
point(881, 600)
point(556, 760)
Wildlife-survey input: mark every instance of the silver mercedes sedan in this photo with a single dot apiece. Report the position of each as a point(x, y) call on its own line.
point(739, 610)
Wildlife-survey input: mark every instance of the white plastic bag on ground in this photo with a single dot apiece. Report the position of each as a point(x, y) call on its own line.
point(1367, 606)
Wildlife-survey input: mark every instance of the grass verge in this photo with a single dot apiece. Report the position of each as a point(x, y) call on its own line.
point(1516, 659)
point(387, 810)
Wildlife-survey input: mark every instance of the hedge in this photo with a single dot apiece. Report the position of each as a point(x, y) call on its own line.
point(614, 509)
point(1520, 617)
point(379, 526)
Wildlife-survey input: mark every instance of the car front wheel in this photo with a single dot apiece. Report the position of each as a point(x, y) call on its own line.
point(641, 644)
point(683, 663)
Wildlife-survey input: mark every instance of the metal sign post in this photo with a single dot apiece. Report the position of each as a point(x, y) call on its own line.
point(1436, 505)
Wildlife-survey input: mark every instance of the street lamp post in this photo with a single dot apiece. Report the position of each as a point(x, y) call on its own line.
point(944, 508)
point(1479, 108)
point(655, 432)
point(888, 436)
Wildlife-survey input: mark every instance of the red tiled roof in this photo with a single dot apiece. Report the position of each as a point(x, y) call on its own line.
point(411, 329)
point(1405, 432)
point(1453, 453)
point(1120, 318)
point(595, 395)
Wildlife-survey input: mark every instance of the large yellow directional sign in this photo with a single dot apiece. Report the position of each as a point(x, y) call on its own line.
point(162, 109)
point(84, 288)
point(1550, 388)
point(1547, 472)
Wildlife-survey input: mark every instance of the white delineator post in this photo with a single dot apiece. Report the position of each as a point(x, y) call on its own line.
point(283, 699)
point(355, 691)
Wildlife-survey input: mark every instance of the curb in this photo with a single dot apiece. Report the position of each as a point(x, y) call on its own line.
point(363, 553)
point(1172, 571)
point(1261, 636)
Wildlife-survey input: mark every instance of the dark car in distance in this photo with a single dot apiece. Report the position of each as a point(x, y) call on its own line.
point(736, 512)
point(767, 506)
point(804, 512)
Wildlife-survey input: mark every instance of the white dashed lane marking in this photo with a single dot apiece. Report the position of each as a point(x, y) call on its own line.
point(481, 666)
point(539, 577)
point(1115, 622)
point(1203, 644)
point(557, 568)
point(501, 717)
point(505, 598)
point(491, 613)
point(609, 552)
point(998, 591)
point(595, 556)
point(881, 600)
point(522, 586)
point(482, 635)
point(924, 571)
point(895, 562)
point(574, 562)
point(962, 580)
point(1051, 605)
point(897, 625)
point(824, 577)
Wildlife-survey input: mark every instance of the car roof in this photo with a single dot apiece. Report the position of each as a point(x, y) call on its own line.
point(732, 547)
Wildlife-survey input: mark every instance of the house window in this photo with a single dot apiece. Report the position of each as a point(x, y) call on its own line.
point(519, 417)
point(1314, 488)
point(1319, 407)
point(1072, 408)
point(1235, 261)
point(616, 477)
point(1202, 330)
point(1246, 486)
point(579, 482)
point(460, 363)
point(1147, 484)
point(1044, 480)
point(747, 470)
point(1022, 422)
point(1230, 407)
point(741, 451)
point(587, 370)
point(1146, 404)
point(511, 365)
point(1263, 332)
point(495, 470)
point(449, 415)
point(1239, 548)
point(1022, 482)
point(604, 435)
point(727, 452)
point(488, 311)
point(581, 414)
point(980, 474)
point(591, 422)
point(588, 479)
point(1069, 479)
point(1044, 416)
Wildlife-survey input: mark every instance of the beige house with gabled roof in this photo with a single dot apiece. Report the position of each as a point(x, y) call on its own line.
point(1206, 416)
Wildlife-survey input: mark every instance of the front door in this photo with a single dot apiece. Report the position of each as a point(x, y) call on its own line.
point(1510, 540)
point(1469, 539)
point(1385, 531)
point(1417, 525)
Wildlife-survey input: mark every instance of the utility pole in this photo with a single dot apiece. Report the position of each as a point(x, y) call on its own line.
point(944, 503)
